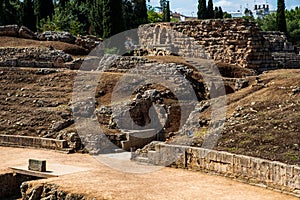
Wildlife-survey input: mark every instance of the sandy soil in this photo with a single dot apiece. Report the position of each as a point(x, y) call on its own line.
point(103, 182)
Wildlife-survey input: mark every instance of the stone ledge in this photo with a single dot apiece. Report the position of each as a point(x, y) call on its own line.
point(28, 141)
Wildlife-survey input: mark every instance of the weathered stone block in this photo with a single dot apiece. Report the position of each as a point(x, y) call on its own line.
point(25, 32)
point(37, 165)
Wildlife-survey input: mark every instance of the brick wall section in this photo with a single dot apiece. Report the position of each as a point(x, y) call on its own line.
point(250, 169)
point(37, 142)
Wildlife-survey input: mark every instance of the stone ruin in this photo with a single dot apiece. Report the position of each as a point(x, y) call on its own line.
point(88, 42)
point(236, 42)
point(232, 41)
point(33, 57)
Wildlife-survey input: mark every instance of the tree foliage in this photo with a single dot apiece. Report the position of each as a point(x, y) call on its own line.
point(153, 16)
point(140, 12)
point(281, 21)
point(96, 17)
point(10, 12)
point(28, 17)
point(43, 9)
point(112, 17)
point(166, 16)
point(269, 23)
point(210, 10)
point(202, 9)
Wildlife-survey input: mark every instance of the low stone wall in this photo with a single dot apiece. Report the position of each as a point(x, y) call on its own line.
point(250, 169)
point(138, 138)
point(37, 142)
point(278, 42)
point(33, 57)
point(88, 42)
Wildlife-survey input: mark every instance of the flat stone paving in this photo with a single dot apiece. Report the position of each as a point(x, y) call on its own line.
point(95, 179)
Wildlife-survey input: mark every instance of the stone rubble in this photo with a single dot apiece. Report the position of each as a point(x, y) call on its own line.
point(33, 57)
point(57, 36)
point(88, 42)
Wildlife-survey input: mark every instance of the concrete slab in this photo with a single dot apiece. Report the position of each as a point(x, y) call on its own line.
point(53, 170)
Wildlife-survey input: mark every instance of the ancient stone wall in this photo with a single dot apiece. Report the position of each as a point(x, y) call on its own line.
point(232, 41)
point(278, 42)
point(37, 142)
point(250, 169)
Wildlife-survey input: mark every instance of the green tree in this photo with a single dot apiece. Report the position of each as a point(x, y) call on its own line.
point(248, 15)
point(128, 14)
point(293, 25)
point(112, 18)
point(210, 9)
point(221, 14)
point(153, 16)
point(10, 12)
point(268, 23)
point(226, 15)
point(216, 13)
point(281, 21)
point(202, 9)
point(63, 3)
point(166, 17)
point(140, 12)
point(43, 9)
point(28, 18)
point(72, 18)
point(96, 17)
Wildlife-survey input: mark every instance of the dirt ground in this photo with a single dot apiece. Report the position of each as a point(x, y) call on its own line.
point(262, 119)
point(103, 182)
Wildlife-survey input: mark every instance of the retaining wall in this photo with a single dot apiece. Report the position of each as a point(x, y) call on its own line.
point(37, 142)
point(10, 184)
point(250, 169)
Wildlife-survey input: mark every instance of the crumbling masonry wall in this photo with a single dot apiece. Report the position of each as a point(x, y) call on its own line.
point(231, 41)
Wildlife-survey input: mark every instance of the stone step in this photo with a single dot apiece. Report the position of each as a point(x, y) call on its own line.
point(141, 159)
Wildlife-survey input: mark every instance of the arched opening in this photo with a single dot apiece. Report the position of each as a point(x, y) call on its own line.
point(156, 35)
point(163, 36)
